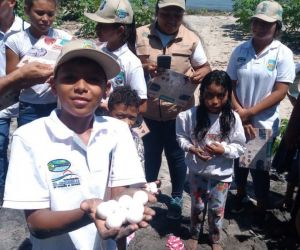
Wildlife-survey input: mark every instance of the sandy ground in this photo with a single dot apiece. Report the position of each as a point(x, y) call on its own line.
point(219, 36)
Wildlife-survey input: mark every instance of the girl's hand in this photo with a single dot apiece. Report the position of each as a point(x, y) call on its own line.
point(199, 152)
point(215, 148)
point(249, 131)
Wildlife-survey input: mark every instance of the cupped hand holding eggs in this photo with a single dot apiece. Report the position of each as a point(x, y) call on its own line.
point(111, 228)
point(126, 210)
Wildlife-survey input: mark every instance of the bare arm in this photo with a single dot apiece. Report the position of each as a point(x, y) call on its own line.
point(25, 77)
point(12, 59)
point(278, 93)
point(235, 103)
point(44, 223)
point(143, 106)
point(248, 127)
point(200, 72)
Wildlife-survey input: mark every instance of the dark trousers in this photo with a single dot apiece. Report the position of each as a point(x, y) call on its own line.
point(162, 136)
point(261, 181)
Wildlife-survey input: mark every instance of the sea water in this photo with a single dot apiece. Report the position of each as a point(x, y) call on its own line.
point(223, 5)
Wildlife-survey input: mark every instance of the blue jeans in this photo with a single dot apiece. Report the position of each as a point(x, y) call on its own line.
point(162, 136)
point(4, 140)
point(261, 181)
point(29, 112)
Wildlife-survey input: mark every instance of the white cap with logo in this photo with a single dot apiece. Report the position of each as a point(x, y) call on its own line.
point(112, 11)
point(166, 3)
point(268, 11)
point(88, 49)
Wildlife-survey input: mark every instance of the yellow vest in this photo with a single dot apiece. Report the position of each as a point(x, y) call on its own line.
point(180, 48)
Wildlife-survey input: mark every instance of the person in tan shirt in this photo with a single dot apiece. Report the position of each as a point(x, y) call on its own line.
point(168, 36)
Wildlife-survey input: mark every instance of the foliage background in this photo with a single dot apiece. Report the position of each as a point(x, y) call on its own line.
point(244, 9)
point(70, 10)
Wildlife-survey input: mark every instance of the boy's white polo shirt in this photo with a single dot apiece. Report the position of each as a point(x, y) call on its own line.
point(50, 167)
point(256, 77)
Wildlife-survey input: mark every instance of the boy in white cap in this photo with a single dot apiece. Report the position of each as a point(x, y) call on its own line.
point(116, 30)
point(261, 70)
point(59, 175)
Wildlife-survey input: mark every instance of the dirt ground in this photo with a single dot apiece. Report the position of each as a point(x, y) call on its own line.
point(219, 36)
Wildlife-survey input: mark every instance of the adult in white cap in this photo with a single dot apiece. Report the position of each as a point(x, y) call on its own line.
point(59, 175)
point(261, 70)
point(116, 30)
point(168, 36)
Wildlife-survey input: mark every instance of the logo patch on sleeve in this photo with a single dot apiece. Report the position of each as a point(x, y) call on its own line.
point(61, 175)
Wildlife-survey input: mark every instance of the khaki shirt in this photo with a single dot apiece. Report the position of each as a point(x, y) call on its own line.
point(181, 48)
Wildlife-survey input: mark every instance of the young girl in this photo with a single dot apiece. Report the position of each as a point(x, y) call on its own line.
point(212, 135)
point(116, 30)
point(36, 101)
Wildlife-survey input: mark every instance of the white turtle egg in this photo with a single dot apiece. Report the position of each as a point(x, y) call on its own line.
point(122, 212)
point(141, 196)
point(147, 187)
point(208, 142)
point(114, 220)
point(113, 204)
point(136, 205)
point(135, 213)
point(153, 187)
point(125, 201)
point(103, 210)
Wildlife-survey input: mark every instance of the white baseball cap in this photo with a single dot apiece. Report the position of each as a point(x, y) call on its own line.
point(112, 11)
point(88, 49)
point(268, 11)
point(166, 3)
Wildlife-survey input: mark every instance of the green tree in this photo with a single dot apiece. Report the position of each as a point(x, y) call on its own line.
point(244, 9)
point(70, 10)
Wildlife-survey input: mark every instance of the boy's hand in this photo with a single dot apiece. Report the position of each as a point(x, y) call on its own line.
point(215, 148)
point(89, 206)
point(199, 152)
